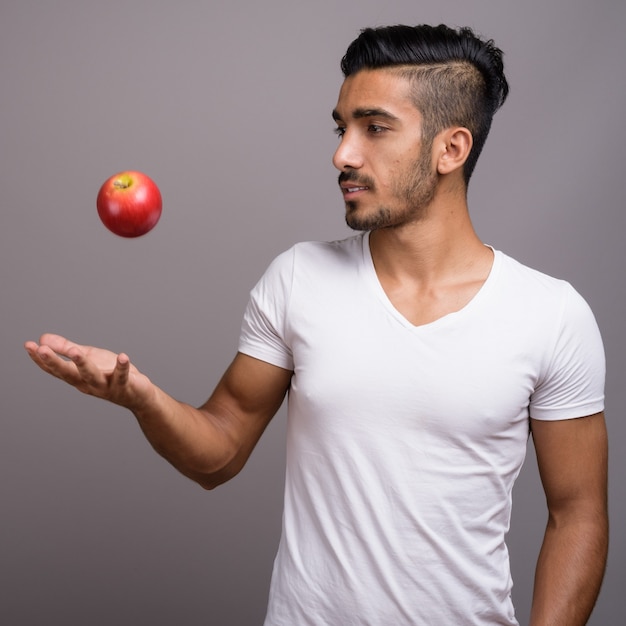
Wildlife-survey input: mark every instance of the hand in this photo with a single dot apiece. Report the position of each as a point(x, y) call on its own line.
point(93, 371)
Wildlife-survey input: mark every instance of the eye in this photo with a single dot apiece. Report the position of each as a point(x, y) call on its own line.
point(340, 131)
point(375, 128)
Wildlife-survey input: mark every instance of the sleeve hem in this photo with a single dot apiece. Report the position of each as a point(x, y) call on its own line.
point(269, 356)
point(564, 413)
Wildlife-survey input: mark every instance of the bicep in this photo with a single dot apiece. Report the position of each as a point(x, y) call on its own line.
point(572, 460)
point(249, 394)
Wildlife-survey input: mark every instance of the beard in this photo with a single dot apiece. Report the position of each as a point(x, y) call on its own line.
point(413, 190)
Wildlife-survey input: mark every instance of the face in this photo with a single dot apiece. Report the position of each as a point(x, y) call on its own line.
point(387, 177)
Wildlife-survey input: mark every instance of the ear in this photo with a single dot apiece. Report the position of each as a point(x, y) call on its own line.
point(454, 148)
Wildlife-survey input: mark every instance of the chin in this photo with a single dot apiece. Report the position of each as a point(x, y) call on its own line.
point(356, 220)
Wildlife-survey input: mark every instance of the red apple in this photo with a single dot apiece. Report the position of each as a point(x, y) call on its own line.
point(129, 204)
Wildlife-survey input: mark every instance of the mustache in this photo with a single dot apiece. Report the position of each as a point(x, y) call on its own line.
point(353, 177)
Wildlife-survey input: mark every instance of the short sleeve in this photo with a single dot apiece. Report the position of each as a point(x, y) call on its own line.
point(573, 383)
point(263, 327)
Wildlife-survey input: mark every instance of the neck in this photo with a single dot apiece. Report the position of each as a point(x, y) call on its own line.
point(441, 245)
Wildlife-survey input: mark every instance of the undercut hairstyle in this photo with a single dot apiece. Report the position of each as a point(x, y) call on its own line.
point(457, 78)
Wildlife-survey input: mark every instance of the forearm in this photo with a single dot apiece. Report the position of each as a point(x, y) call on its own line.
point(569, 571)
point(210, 444)
point(196, 442)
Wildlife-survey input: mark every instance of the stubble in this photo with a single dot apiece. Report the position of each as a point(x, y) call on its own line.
point(412, 192)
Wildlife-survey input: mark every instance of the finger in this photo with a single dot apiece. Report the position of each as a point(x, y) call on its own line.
point(58, 344)
point(121, 371)
point(87, 371)
point(53, 364)
point(31, 348)
point(33, 352)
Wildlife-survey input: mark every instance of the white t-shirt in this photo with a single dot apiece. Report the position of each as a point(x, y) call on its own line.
point(404, 441)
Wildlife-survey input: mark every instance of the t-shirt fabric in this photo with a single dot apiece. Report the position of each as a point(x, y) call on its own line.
point(403, 441)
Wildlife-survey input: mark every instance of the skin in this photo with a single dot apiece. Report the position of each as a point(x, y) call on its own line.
point(209, 444)
point(430, 262)
point(572, 460)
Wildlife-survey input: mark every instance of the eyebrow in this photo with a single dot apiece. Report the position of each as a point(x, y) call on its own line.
point(360, 113)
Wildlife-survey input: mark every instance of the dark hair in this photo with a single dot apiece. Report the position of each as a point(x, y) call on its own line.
point(457, 77)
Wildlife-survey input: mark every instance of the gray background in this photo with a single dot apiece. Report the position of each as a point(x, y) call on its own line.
point(227, 106)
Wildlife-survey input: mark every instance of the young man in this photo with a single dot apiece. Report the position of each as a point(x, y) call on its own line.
point(417, 362)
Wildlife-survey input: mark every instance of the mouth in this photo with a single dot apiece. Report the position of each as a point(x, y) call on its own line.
point(349, 189)
point(350, 185)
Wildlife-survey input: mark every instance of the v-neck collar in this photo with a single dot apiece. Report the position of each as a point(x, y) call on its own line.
point(374, 283)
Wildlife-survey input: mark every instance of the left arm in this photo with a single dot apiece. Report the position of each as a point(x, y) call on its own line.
point(572, 460)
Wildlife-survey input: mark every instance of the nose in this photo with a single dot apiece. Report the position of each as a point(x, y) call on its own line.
point(347, 155)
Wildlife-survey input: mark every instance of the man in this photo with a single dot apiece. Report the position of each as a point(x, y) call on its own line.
point(417, 361)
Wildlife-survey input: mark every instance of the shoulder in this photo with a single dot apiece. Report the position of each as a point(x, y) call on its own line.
point(319, 257)
point(557, 327)
point(541, 305)
point(331, 251)
point(554, 311)
point(536, 289)
point(527, 277)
